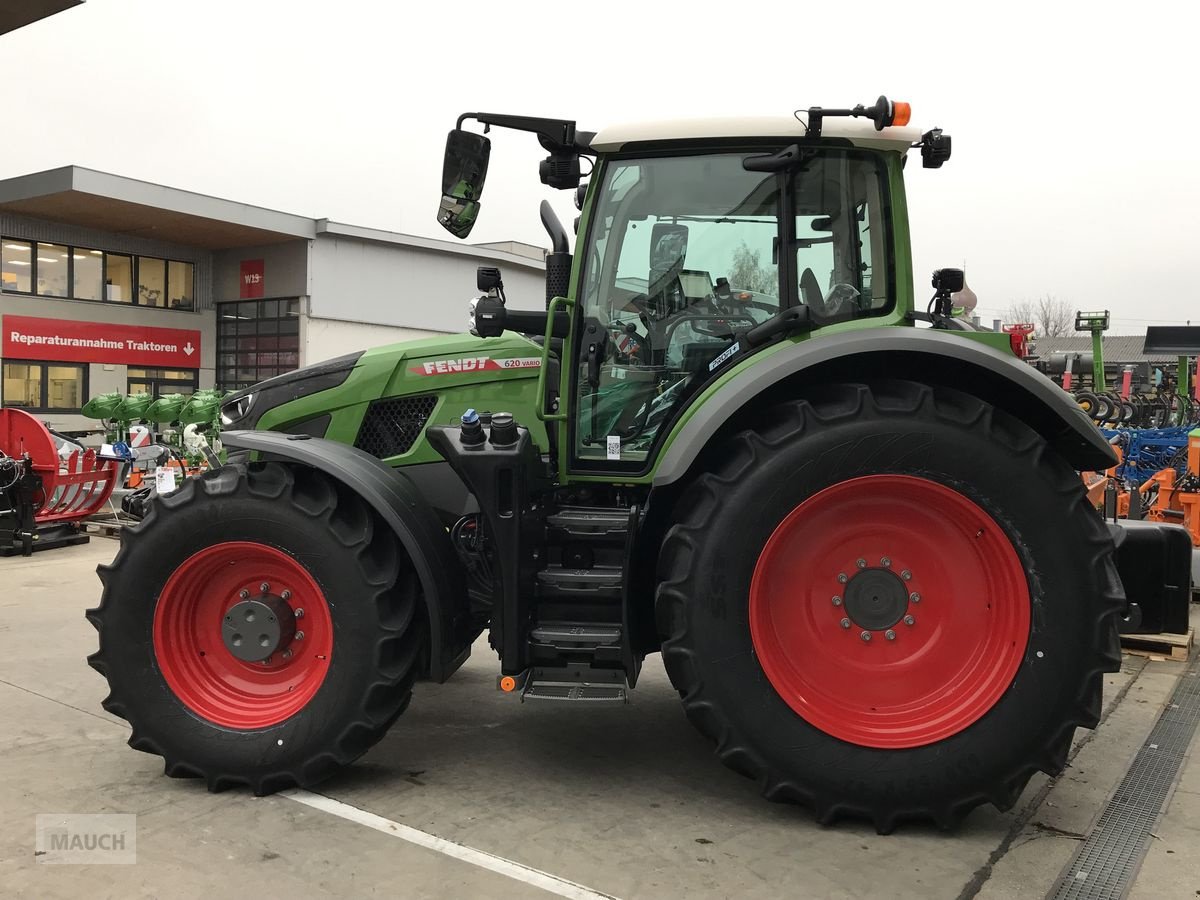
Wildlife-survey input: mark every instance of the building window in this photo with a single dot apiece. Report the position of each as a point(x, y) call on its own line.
point(45, 386)
point(118, 278)
point(152, 281)
point(87, 279)
point(16, 266)
point(53, 270)
point(81, 273)
point(180, 283)
point(162, 381)
point(256, 340)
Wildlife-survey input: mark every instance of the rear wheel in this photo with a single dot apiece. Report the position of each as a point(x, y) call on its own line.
point(847, 611)
point(259, 627)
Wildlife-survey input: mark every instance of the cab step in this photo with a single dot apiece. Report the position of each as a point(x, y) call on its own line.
point(576, 692)
point(598, 580)
point(572, 635)
point(575, 683)
point(589, 523)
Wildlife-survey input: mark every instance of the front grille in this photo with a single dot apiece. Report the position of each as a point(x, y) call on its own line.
point(392, 426)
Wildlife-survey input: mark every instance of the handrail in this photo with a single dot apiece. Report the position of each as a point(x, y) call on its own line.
point(542, 413)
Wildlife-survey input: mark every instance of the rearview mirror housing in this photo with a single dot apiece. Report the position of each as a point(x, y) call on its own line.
point(464, 169)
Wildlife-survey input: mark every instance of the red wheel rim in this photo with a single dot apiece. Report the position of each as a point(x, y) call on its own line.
point(192, 652)
point(838, 557)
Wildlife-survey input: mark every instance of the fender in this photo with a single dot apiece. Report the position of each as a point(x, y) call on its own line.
point(923, 355)
point(398, 502)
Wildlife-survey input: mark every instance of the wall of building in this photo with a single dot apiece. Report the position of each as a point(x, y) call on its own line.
point(326, 338)
point(104, 377)
point(52, 232)
point(408, 287)
point(285, 270)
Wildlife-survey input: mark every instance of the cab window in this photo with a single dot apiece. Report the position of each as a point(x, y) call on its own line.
point(684, 254)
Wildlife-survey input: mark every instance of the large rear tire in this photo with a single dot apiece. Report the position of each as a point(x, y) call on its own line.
point(259, 627)
point(889, 601)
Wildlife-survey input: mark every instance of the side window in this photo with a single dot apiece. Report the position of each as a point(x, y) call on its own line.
point(840, 234)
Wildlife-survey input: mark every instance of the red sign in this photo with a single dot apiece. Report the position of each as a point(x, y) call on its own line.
point(254, 279)
point(59, 340)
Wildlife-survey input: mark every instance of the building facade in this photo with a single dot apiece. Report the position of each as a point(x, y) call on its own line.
point(112, 284)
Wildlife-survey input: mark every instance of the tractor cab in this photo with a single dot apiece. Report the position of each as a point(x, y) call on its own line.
point(701, 243)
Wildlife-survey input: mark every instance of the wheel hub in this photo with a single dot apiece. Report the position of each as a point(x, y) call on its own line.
point(876, 599)
point(255, 629)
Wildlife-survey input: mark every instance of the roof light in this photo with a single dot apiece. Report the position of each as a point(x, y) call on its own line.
point(49, 259)
point(17, 246)
point(901, 113)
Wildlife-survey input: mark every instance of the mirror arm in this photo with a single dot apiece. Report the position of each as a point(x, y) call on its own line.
point(555, 134)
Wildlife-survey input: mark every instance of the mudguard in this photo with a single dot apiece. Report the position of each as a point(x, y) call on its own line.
point(398, 502)
point(920, 354)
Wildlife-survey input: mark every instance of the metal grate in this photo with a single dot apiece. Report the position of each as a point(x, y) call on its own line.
point(392, 426)
point(1107, 862)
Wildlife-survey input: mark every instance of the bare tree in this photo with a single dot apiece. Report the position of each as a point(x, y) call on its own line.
point(749, 274)
point(1050, 315)
point(1055, 316)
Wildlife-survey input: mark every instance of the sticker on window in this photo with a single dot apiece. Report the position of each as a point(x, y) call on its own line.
point(724, 356)
point(613, 446)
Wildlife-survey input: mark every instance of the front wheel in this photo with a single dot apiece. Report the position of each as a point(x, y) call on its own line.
point(889, 601)
point(258, 627)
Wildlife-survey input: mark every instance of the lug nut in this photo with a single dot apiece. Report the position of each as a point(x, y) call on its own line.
point(845, 623)
point(886, 561)
point(866, 635)
point(286, 595)
point(842, 577)
point(914, 597)
point(909, 620)
point(862, 563)
point(287, 654)
point(245, 595)
point(906, 575)
point(264, 587)
point(300, 634)
point(837, 601)
point(890, 635)
point(299, 614)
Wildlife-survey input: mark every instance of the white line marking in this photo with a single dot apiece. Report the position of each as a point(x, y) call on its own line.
point(481, 858)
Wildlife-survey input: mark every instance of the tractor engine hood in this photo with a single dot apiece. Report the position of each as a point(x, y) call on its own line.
point(242, 409)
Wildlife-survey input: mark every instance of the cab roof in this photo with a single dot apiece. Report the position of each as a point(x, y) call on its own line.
point(860, 132)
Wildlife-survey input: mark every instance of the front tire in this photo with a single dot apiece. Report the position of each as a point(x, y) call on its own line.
point(889, 601)
point(259, 627)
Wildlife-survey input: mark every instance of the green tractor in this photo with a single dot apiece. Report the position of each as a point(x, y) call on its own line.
point(853, 528)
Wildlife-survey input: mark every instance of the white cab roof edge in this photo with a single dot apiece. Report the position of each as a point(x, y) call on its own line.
point(859, 131)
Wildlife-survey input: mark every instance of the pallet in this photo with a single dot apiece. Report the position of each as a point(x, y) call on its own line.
point(105, 527)
point(1165, 646)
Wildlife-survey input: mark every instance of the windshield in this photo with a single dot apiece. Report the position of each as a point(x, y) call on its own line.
point(685, 253)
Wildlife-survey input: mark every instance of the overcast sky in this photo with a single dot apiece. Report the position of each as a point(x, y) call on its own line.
point(1075, 132)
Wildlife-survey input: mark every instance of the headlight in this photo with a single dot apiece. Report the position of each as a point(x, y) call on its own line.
point(234, 410)
point(244, 409)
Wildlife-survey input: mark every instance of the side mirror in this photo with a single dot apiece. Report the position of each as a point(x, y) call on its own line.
point(580, 193)
point(464, 169)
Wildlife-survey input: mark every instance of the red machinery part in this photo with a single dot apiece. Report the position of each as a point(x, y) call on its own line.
point(203, 596)
point(73, 488)
point(962, 620)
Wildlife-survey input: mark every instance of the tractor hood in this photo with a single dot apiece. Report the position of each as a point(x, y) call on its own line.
point(382, 399)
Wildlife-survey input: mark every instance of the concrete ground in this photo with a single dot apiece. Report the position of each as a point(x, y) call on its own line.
point(629, 802)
